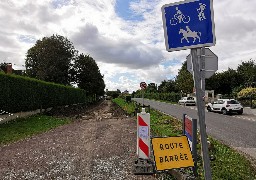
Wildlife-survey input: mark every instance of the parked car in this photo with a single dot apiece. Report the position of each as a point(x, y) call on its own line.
point(187, 101)
point(225, 106)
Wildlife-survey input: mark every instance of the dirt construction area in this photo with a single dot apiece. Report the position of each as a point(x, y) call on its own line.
point(99, 144)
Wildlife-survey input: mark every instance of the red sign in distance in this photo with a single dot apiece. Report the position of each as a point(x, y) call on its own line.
point(143, 85)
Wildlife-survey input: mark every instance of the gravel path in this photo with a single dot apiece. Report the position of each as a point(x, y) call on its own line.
point(97, 146)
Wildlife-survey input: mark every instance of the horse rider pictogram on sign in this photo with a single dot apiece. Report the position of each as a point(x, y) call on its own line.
point(188, 24)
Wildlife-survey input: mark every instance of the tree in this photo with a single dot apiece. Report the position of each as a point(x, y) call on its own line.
point(151, 88)
point(184, 80)
point(50, 59)
point(247, 72)
point(88, 76)
point(118, 91)
point(3, 67)
point(167, 86)
point(224, 82)
point(133, 94)
point(114, 94)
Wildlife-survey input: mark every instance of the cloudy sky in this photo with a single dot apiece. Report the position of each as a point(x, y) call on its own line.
point(125, 37)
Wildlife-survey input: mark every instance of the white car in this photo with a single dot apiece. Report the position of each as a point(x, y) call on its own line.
point(187, 101)
point(225, 106)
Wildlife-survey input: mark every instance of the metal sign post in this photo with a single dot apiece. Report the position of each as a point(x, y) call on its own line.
point(143, 91)
point(189, 25)
point(202, 69)
point(199, 79)
point(143, 86)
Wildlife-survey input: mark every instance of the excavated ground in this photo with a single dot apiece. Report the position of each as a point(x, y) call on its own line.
point(100, 143)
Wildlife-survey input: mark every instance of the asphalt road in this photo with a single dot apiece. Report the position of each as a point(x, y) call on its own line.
point(236, 131)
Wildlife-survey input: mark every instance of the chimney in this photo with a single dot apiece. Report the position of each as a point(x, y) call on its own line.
point(9, 68)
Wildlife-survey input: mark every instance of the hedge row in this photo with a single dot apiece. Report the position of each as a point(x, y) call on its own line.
point(19, 93)
point(172, 97)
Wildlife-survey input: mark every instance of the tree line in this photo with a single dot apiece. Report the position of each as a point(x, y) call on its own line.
point(55, 59)
point(227, 83)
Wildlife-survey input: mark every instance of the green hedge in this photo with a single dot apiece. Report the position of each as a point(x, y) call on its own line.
point(19, 93)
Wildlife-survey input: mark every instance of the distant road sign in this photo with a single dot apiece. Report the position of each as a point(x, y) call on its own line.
point(188, 24)
point(211, 63)
point(143, 85)
point(172, 152)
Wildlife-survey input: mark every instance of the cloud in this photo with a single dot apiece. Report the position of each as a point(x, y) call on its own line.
point(125, 52)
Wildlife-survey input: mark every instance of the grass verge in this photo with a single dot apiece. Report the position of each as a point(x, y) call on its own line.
point(128, 107)
point(227, 164)
point(25, 127)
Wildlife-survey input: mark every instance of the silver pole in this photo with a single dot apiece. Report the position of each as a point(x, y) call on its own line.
point(143, 97)
point(202, 54)
point(198, 77)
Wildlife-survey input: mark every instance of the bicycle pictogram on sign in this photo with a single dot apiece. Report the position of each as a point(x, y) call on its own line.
point(188, 24)
point(179, 17)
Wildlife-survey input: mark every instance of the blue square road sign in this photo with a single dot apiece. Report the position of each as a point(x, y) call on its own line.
point(188, 24)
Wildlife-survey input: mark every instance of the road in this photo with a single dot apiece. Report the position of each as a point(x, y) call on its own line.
point(236, 131)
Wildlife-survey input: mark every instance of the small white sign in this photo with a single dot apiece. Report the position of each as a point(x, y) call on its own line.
point(143, 132)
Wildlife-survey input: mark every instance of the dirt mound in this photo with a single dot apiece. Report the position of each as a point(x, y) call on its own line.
point(100, 110)
point(71, 110)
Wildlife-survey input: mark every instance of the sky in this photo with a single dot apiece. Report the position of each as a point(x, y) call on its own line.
point(125, 37)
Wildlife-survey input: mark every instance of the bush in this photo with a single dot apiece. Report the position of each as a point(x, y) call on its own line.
point(247, 97)
point(19, 93)
point(128, 98)
point(247, 92)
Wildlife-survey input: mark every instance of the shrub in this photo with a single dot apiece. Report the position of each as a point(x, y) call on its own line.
point(247, 97)
point(128, 98)
point(247, 92)
point(18, 93)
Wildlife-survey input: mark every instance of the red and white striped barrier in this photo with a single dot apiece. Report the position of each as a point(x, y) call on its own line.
point(143, 134)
